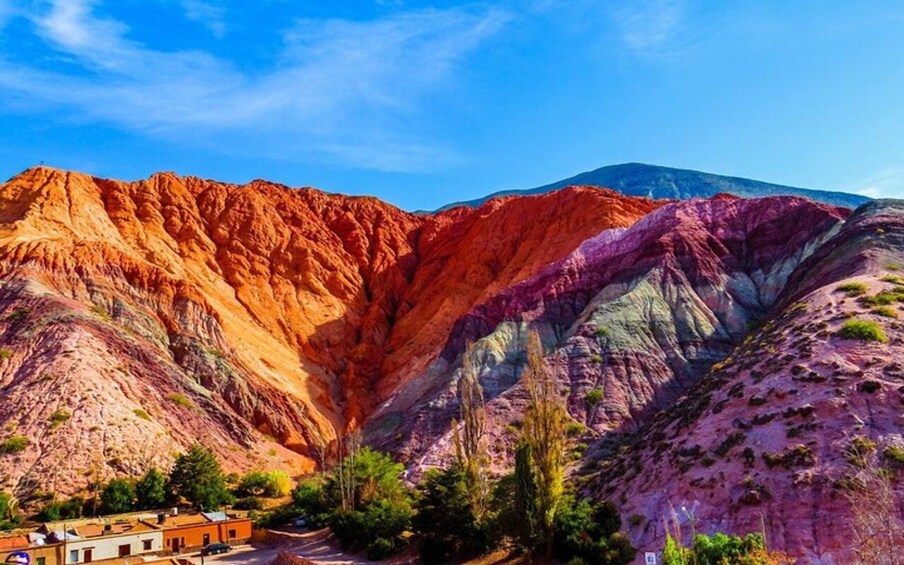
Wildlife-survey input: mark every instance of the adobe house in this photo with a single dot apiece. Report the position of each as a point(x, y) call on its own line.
point(38, 551)
point(189, 532)
point(89, 540)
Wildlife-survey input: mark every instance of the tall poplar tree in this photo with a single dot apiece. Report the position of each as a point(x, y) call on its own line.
point(469, 445)
point(544, 432)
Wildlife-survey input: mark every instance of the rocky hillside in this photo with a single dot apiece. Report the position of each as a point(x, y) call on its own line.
point(265, 321)
point(632, 318)
point(639, 179)
point(767, 435)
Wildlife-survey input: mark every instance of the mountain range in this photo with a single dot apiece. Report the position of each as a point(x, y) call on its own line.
point(700, 342)
point(651, 181)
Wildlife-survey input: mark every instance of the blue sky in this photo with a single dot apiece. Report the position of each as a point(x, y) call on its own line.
point(423, 103)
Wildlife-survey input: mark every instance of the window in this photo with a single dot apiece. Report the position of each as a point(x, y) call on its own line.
point(73, 556)
point(232, 534)
point(125, 550)
point(146, 544)
point(41, 561)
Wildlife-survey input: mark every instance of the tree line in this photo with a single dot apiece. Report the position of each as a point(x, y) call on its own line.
point(196, 479)
point(458, 511)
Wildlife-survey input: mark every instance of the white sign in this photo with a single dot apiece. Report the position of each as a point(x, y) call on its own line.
point(650, 559)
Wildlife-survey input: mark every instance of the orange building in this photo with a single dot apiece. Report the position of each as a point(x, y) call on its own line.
point(189, 532)
point(50, 554)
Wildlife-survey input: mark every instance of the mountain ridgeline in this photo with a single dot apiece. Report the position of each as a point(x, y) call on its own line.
point(650, 181)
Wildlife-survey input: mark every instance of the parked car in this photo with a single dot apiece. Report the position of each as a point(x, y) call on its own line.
point(216, 549)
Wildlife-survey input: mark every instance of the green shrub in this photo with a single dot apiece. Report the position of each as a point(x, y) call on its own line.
point(15, 444)
point(574, 429)
point(5, 354)
point(893, 279)
point(894, 456)
point(885, 311)
point(18, 315)
point(59, 417)
point(101, 312)
point(593, 397)
point(884, 298)
point(180, 400)
point(601, 332)
point(852, 288)
point(859, 450)
point(380, 549)
point(862, 330)
point(142, 414)
point(796, 456)
point(636, 520)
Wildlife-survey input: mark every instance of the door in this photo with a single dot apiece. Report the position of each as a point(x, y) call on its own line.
point(206, 541)
point(175, 545)
point(125, 550)
point(89, 555)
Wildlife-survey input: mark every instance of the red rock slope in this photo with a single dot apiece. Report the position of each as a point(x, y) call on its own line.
point(139, 317)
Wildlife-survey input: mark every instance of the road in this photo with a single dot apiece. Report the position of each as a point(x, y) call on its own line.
point(316, 546)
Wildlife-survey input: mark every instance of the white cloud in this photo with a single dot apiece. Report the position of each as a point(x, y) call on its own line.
point(887, 183)
point(209, 15)
point(647, 25)
point(346, 90)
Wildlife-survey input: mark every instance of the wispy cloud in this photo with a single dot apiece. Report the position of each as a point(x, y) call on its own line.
point(887, 183)
point(209, 15)
point(647, 25)
point(342, 89)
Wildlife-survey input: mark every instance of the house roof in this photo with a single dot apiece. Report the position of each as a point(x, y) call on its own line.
point(215, 516)
point(184, 520)
point(13, 542)
point(119, 528)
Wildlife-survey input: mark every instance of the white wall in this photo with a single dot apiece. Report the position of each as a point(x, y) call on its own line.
point(108, 547)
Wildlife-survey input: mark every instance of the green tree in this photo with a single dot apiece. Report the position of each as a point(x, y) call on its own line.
point(150, 490)
point(373, 476)
point(445, 516)
point(309, 497)
point(198, 478)
point(62, 510)
point(271, 484)
point(721, 548)
point(544, 430)
point(591, 532)
point(118, 497)
point(10, 518)
point(469, 446)
point(372, 506)
point(674, 553)
point(525, 499)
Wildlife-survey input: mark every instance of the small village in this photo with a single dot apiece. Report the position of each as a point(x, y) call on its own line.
point(142, 537)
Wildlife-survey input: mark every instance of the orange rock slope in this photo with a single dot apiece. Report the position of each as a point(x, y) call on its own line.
point(140, 317)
